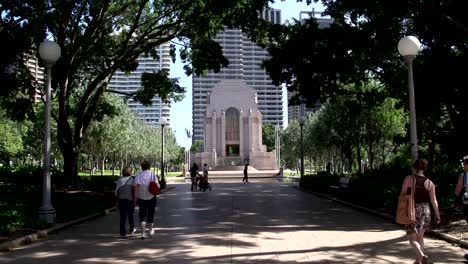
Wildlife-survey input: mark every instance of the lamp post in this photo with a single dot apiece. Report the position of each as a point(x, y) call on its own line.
point(49, 52)
point(409, 47)
point(301, 124)
point(162, 122)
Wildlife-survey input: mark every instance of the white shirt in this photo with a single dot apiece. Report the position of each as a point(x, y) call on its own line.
point(143, 179)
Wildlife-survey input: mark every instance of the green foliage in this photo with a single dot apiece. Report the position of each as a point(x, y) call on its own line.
point(159, 84)
point(290, 145)
point(268, 136)
point(21, 196)
point(98, 183)
point(196, 147)
point(361, 47)
point(94, 45)
point(383, 184)
point(319, 182)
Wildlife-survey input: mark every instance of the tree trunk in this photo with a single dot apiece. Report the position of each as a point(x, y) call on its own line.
point(70, 159)
point(103, 165)
point(359, 156)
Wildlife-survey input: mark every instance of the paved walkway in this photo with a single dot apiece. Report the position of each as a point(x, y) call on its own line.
point(257, 222)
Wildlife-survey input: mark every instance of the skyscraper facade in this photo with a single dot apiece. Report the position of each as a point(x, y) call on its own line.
point(37, 72)
point(245, 58)
point(131, 82)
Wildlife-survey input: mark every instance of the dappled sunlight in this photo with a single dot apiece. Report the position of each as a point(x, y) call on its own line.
point(110, 243)
point(109, 260)
point(258, 223)
point(249, 213)
point(146, 251)
point(48, 254)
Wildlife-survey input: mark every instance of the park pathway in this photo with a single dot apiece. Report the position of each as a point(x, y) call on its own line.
point(256, 222)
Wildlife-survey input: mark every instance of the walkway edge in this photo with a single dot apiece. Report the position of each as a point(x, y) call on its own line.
point(440, 235)
point(28, 239)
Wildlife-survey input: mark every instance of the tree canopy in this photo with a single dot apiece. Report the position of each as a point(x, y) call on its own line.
point(98, 38)
point(361, 46)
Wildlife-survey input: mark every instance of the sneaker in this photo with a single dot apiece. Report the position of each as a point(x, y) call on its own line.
point(132, 231)
point(142, 238)
point(123, 237)
point(151, 232)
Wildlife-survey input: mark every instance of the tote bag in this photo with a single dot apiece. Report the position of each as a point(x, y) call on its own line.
point(406, 212)
point(153, 187)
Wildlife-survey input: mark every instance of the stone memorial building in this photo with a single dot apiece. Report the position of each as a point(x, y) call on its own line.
point(233, 129)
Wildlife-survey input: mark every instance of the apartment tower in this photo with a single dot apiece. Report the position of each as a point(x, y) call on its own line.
point(245, 58)
point(131, 82)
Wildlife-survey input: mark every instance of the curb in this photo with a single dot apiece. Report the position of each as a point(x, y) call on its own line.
point(28, 239)
point(440, 235)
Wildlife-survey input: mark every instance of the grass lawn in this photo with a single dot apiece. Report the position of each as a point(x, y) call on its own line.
point(117, 173)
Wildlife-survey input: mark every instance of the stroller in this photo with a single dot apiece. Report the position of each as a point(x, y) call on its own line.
point(203, 183)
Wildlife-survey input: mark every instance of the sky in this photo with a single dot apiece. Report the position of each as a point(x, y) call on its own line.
point(181, 112)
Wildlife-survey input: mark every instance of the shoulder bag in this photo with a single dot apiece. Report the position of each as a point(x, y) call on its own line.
point(406, 212)
point(153, 187)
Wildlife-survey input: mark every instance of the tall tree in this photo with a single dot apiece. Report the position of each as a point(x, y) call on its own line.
point(360, 46)
point(100, 37)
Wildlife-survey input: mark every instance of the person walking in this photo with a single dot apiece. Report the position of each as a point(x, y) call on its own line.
point(193, 176)
point(205, 171)
point(146, 201)
point(424, 197)
point(125, 203)
point(246, 173)
point(461, 191)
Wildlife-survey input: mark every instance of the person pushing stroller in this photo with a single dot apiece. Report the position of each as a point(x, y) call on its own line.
point(203, 183)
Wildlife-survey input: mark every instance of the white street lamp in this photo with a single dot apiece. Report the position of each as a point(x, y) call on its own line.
point(162, 122)
point(409, 47)
point(49, 52)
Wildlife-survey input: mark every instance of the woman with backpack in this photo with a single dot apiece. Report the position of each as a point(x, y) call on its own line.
point(124, 195)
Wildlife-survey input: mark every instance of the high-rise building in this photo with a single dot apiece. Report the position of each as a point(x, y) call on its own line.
point(37, 72)
point(245, 59)
point(295, 111)
point(131, 82)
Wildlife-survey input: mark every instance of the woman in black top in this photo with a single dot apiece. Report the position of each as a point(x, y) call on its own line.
point(424, 197)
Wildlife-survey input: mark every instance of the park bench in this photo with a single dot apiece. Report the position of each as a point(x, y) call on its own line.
point(342, 186)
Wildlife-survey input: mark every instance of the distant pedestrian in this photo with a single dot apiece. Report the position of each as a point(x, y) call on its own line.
point(203, 183)
point(424, 197)
point(193, 176)
point(205, 171)
point(125, 203)
point(146, 201)
point(246, 173)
